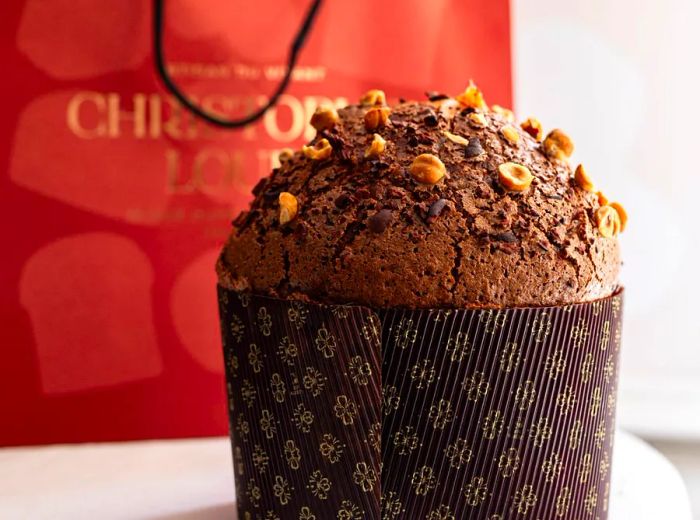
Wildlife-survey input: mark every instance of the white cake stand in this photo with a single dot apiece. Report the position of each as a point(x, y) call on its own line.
point(193, 480)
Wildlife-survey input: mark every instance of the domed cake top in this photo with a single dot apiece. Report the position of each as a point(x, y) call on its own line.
point(442, 203)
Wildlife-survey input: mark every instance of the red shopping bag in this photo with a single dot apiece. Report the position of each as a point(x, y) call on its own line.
point(115, 200)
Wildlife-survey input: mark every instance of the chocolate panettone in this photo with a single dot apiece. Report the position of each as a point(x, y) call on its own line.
point(441, 203)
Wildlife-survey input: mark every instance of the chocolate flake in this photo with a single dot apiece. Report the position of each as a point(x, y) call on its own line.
point(379, 221)
point(436, 208)
point(507, 236)
point(436, 96)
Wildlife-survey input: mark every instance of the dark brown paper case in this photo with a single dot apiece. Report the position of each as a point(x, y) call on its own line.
point(345, 412)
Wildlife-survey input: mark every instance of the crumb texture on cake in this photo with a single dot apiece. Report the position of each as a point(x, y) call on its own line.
point(493, 216)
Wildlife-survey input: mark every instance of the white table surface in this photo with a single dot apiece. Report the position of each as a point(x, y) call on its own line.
point(193, 479)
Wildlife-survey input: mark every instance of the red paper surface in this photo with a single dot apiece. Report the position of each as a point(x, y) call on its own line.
point(114, 202)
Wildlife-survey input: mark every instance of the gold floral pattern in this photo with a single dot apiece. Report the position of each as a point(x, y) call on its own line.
point(505, 399)
point(360, 370)
point(319, 486)
point(325, 343)
point(476, 386)
point(475, 491)
point(345, 410)
point(292, 454)
point(331, 448)
point(405, 440)
point(424, 480)
point(364, 476)
point(287, 351)
point(458, 453)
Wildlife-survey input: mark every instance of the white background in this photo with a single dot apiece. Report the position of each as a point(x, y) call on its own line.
point(622, 77)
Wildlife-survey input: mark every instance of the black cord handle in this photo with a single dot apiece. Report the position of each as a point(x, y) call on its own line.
point(171, 86)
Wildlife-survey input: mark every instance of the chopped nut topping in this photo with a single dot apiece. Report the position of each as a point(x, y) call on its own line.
point(373, 97)
point(602, 199)
point(507, 114)
point(533, 127)
point(324, 118)
point(457, 139)
point(285, 155)
point(376, 117)
point(620, 213)
point(557, 145)
point(511, 134)
point(608, 219)
point(583, 180)
point(288, 207)
point(514, 177)
point(376, 148)
point(427, 169)
point(476, 119)
point(321, 150)
point(472, 97)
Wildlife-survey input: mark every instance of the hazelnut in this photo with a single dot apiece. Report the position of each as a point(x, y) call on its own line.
point(622, 213)
point(583, 180)
point(457, 139)
point(602, 199)
point(608, 219)
point(472, 97)
point(285, 155)
point(533, 127)
point(288, 207)
point(324, 118)
point(376, 117)
point(427, 169)
point(376, 148)
point(511, 134)
point(503, 112)
point(476, 119)
point(557, 145)
point(321, 150)
point(373, 97)
point(514, 177)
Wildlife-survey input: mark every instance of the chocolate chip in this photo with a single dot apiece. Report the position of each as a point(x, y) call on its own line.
point(506, 236)
point(344, 200)
point(436, 208)
point(436, 96)
point(379, 221)
point(272, 194)
point(413, 141)
point(430, 119)
point(474, 148)
point(467, 111)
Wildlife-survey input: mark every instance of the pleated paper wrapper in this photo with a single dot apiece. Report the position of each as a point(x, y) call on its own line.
point(347, 412)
